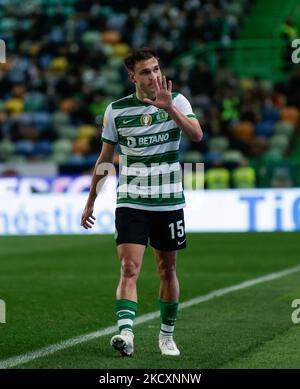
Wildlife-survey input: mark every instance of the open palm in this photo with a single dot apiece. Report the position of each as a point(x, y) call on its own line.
point(163, 94)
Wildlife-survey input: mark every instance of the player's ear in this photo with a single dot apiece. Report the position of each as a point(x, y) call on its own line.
point(131, 76)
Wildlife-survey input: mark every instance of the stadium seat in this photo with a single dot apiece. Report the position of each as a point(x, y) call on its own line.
point(67, 132)
point(192, 156)
point(7, 150)
point(35, 102)
point(243, 177)
point(86, 132)
point(280, 142)
point(59, 158)
point(25, 148)
point(41, 120)
point(218, 143)
point(290, 114)
point(120, 50)
point(59, 64)
point(243, 131)
point(91, 37)
point(273, 155)
point(284, 128)
point(217, 178)
point(264, 129)
point(212, 156)
point(258, 146)
point(18, 91)
point(62, 146)
point(111, 37)
point(233, 156)
point(67, 105)
point(14, 105)
point(281, 177)
point(61, 150)
point(270, 114)
point(60, 118)
point(81, 146)
point(234, 8)
point(43, 148)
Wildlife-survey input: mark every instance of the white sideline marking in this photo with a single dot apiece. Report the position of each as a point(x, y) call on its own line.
point(30, 356)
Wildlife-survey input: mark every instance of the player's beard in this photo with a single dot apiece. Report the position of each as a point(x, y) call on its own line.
point(150, 92)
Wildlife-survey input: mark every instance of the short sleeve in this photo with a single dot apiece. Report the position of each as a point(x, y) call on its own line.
point(109, 132)
point(183, 105)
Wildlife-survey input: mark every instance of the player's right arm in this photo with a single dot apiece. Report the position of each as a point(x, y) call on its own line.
point(102, 167)
point(104, 162)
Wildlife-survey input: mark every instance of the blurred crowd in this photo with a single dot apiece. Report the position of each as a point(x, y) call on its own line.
point(65, 65)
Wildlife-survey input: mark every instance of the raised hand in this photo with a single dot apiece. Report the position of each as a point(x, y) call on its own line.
point(163, 94)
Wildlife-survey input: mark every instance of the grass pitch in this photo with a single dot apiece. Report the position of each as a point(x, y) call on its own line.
point(59, 287)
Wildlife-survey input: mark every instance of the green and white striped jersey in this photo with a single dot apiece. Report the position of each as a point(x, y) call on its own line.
point(150, 172)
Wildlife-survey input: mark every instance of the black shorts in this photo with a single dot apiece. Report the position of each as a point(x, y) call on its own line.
point(165, 229)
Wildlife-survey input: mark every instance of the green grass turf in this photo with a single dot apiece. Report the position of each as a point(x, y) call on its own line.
point(57, 287)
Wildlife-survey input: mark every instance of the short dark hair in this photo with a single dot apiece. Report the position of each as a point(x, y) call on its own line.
point(139, 55)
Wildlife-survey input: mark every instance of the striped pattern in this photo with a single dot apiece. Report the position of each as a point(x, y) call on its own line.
point(150, 172)
point(166, 330)
point(149, 160)
point(125, 319)
point(125, 314)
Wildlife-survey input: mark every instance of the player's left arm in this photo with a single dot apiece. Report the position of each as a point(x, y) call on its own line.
point(190, 126)
point(177, 111)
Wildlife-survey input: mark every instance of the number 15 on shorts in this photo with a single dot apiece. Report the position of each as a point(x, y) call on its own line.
point(177, 229)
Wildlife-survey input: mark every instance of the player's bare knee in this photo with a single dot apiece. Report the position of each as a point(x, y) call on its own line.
point(129, 269)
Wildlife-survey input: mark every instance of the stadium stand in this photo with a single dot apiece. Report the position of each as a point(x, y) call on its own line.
point(64, 65)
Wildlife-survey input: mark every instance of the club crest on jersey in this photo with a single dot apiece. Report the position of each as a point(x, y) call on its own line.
point(146, 119)
point(161, 115)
